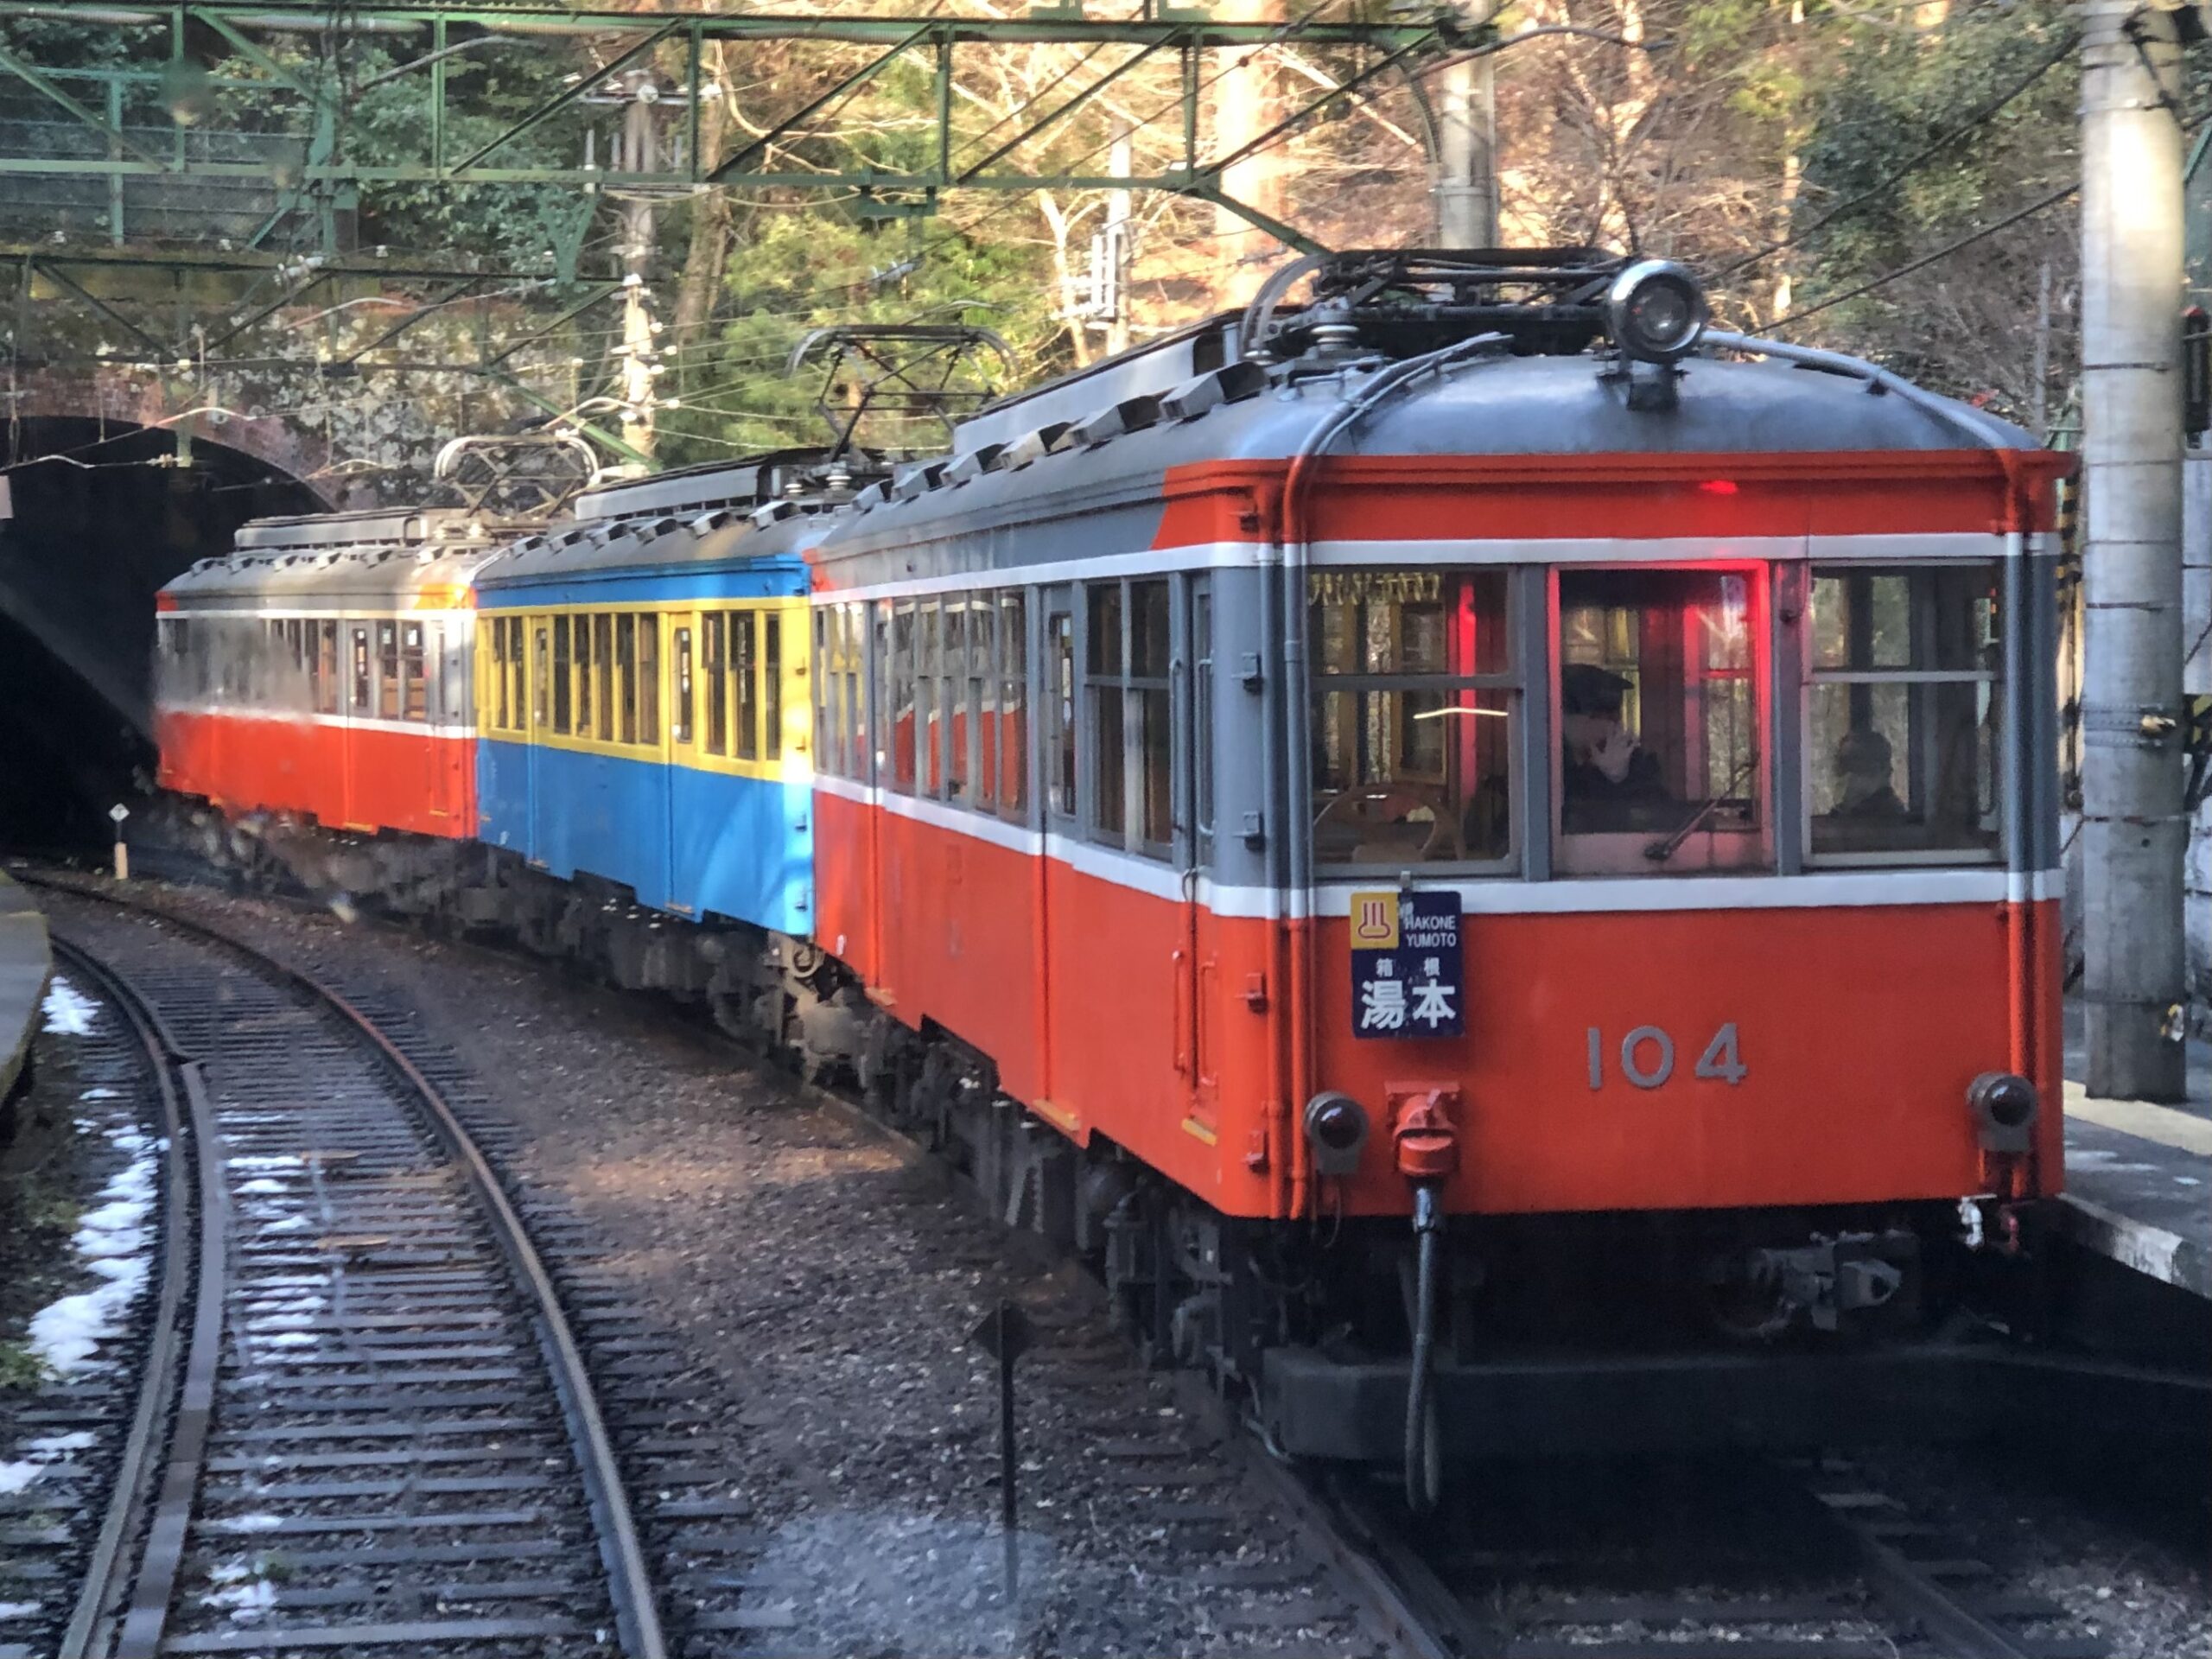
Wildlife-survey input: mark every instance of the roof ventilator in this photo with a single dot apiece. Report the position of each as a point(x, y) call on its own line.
point(973, 465)
point(1130, 415)
point(1231, 384)
point(1031, 445)
point(917, 480)
point(707, 523)
point(774, 513)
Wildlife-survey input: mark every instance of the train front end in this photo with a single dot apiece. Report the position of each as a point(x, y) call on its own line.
point(1669, 944)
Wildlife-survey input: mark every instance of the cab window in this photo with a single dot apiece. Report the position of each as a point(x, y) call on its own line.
point(1414, 712)
point(1661, 756)
point(1902, 716)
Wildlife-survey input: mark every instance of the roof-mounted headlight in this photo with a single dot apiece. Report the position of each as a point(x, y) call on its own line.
point(1654, 311)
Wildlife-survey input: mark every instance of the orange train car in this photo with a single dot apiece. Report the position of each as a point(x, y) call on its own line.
point(1487, 825)
point(321, 672)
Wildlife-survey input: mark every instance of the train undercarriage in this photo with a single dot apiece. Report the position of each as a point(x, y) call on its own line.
point(1600, 1333)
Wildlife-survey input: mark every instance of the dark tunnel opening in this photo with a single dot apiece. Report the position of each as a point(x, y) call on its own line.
point(98, 517)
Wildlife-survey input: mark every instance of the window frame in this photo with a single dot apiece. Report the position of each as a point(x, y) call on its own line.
point(1622, 855)
point(1134, 692)
point(1812, 676)
point(1012, 666)
point(1524, 656)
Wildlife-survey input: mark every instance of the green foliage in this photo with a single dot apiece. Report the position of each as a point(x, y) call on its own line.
point(21, 1369)
point(804, 268)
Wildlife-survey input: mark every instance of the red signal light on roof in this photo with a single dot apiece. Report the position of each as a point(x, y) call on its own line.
point(1719, 487)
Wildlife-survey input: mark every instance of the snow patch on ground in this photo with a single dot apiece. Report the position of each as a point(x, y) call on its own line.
point(112, 1238)
point(19, 1609)
point(52, 1446)
point(14, 1477)
point(69, 1012)
point(247, 1600)
point(264, 1185)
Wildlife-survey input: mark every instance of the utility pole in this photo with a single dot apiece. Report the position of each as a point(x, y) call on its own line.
point(1467, 146)
point(1117, 249)
point(639, 152)
point(2134, 829)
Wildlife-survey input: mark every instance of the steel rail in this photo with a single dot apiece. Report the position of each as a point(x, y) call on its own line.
point(622, 1551)
point(188, 1125)
point(1918, 1598)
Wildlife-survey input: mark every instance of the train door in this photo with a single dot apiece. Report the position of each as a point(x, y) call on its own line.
point(360, 707)
point(1193, 697)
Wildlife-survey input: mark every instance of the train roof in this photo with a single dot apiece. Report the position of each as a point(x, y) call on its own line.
point(385, 555)
point(740, 485)
point(664, 544)
point(1500, 405)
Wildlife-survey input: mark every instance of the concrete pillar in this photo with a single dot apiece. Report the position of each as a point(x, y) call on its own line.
point(1466, 159)
point(2134, 830)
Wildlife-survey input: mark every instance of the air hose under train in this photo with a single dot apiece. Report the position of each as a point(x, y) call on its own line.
point(1424, 1455)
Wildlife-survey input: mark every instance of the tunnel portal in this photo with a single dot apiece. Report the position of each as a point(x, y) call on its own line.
point(99, 516)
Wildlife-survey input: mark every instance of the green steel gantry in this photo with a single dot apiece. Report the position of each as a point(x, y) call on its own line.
point(296, 126)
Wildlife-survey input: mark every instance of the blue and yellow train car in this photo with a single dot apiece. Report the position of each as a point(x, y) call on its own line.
point(642, 698)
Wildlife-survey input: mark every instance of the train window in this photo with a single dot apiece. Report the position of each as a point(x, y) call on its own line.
point(325, 656)
point(564, 692)
point(1902, 720)
point(602, 658)
point(1414, 699)
point(1060, 769)
point(1131, 715)
point(771, 686)
point(541, 709)
point(680, 729)
point(952, 699)
point(745, 671)
point(580, 649)
point(1660, 742)
point(854, 621)
point(982, 699)
point(387, 671)
point(929, 708)
point(649, 678)
point(625, 665)
point(1107, 722)
point(899, 671)
point(1012, 721)
point(1201, 719)
point(362, 680)
point(827, 728)
point(713, 631)
point(414, 682)
point(492, 654)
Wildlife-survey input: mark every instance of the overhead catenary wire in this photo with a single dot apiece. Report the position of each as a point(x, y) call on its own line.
point(2040, 205)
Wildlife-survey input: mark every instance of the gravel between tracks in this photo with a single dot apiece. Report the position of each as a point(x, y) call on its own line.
point(832, 1283)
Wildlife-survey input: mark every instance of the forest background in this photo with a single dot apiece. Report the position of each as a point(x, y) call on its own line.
point(1890, 180)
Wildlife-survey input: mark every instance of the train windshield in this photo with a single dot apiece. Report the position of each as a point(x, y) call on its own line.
point(1413, 720)
point(1901, 727)
point(1661, 757)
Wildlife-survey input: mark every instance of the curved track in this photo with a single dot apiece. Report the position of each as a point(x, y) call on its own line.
point(382, 1434)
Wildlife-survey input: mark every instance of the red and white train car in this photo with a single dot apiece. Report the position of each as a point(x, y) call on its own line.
point(321, 672)
point(1474, 749)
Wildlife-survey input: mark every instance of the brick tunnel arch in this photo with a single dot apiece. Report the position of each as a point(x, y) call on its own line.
point(101, 514)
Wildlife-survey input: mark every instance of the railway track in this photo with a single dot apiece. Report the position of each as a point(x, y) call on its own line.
point(1769, 1561)
point(1819, 1562)
point(364, 1421)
